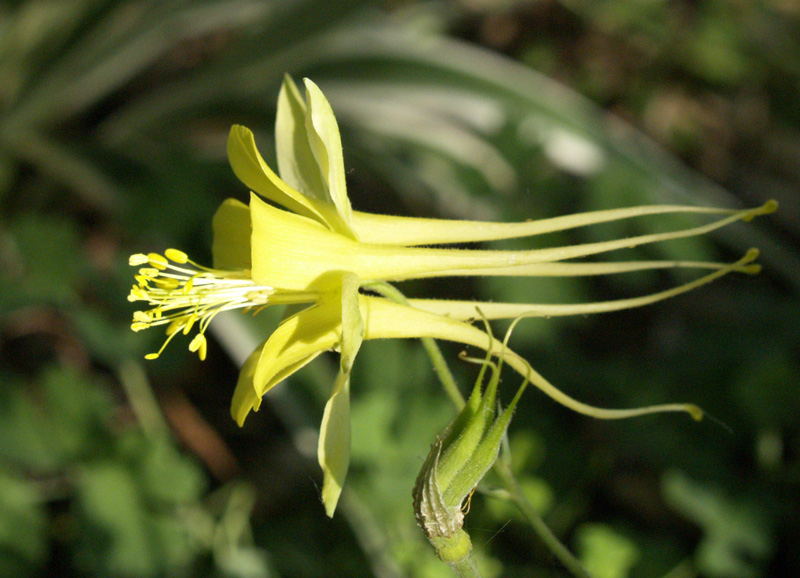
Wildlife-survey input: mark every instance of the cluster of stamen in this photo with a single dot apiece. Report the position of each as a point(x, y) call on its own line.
point(184, 295)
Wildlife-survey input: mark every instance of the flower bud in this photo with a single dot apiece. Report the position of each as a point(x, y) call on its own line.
point(458, 460)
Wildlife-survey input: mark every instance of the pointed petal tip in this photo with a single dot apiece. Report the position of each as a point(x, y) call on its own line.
point(330, 502)
point(240, 414)
point(238, 130)
point(240, 411)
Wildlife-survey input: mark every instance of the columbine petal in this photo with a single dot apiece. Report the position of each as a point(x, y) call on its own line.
point(302, 337)
point(492, 310)
point(296, 163)
point(326, 144)
point(245, 396)
point(334, 433)
point(387, 320)
point(297, 341)
point(292, 251)
point(352, 322)
point(410, 231)
point(232, 231)
point(251, 169)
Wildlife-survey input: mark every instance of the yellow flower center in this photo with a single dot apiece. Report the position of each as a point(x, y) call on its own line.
point(184, 295)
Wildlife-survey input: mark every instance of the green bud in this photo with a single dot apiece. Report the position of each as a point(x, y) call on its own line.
point(459, 459)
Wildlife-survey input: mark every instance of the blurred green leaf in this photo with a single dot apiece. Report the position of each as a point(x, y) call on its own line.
point(170, 477)
point(245, 563)
point(715, 49)
point(22, 527)
point(535, 489)
point(22, 424)
point(737, 538)
point(116, 537)
point(110, 340)
point(76, 411)
point(605, 552)
point(129, 513)
point(59, 423)
point(528, 450)
point(177, 548)
point(45, 261)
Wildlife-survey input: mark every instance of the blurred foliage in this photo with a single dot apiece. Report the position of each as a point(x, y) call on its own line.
point(113, 119)
point(736, 540)
point(604, 552)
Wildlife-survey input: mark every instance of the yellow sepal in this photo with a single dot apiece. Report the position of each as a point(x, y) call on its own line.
point(253, 171)
point(333, 452)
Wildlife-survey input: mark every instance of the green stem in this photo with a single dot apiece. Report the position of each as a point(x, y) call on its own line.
point(443, 372)
point(466, 568)
point(546, 535)
point(431, 347)
point(142, 399)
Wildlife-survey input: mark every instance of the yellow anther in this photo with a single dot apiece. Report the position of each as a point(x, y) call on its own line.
point(151, 356)
point(194, 345)
point(199, 344)
point(149, 272)
point(138, 326)
point(176, 255)
point(157, 261)
point(137, 259)
point(137, 294)
point(168, 284)
point(141, 316)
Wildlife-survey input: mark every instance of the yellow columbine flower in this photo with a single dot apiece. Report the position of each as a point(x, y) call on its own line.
point(317, 250)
